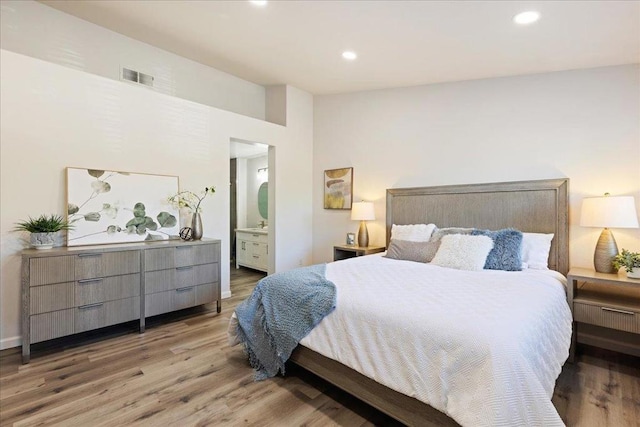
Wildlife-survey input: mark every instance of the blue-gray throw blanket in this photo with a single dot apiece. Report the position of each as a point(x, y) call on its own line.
point(283, 309)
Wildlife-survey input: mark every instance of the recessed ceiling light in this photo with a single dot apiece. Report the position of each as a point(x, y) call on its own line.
point(258, 2)
point(350, 55)
point(525, 18)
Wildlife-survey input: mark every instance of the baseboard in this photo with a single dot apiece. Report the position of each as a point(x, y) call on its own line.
point(226, 294)
point(6, 343)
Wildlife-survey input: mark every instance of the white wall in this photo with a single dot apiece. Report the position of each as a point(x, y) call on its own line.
point(253, 185)
point(584, 125)
point(37, 30)
point(54, 116)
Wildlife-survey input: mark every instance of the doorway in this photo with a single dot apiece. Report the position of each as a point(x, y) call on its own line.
point(249, 177)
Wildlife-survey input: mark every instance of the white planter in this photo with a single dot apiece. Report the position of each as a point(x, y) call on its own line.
point(635, 273)
point(42, 240)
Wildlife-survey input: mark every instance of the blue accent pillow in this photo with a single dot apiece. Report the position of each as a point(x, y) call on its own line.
point(507, 249)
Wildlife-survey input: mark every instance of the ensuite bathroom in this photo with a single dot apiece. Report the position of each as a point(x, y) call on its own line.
point(249, 170)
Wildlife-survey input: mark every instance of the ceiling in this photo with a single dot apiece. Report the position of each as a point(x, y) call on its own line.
point(399, 43)
point(244, 149)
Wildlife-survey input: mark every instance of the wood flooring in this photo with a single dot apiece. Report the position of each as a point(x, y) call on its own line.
point(182, 372)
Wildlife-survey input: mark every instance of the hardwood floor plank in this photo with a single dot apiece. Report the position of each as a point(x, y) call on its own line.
point(182, 372)
point(26, 408)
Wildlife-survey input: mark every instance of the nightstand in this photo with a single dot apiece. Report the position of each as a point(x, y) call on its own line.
point(349, 251)
point(606, 310)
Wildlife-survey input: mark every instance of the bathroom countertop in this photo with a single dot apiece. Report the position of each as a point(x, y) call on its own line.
point(254, 230)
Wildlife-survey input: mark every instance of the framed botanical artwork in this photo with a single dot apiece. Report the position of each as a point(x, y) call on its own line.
point(338, 188)
point(114, 207)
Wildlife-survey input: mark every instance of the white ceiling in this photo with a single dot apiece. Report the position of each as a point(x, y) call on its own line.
point(399, 43)
point(242, 149)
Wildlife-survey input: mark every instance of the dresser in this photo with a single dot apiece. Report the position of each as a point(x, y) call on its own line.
point(76, 289)
point(252, 248)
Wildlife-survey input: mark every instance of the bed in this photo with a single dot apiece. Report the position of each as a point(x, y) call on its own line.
point(530, 206)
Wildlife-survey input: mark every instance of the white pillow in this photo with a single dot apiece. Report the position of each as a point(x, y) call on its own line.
point(463, 252)
point(412, 232)
point(535, 250)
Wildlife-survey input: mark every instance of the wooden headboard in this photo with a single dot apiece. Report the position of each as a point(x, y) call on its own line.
point(530, 206)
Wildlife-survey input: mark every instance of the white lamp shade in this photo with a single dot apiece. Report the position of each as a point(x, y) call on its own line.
point(609, 212)
point(362, 211)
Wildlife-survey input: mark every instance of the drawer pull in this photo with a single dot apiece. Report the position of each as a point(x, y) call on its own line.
point(97, 304)
point(256, 244)
point(190, 288)
point(83, 281)
point(89, 255)
point(630, 313)
point(255, 235)
point(183, 247)
point(256, 256)
point(186, 267)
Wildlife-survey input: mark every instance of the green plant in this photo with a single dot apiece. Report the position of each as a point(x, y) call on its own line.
point(189, 199)
point(44, 224)
point(627, 259)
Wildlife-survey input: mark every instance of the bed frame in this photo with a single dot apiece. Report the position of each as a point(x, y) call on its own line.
point(531, 206)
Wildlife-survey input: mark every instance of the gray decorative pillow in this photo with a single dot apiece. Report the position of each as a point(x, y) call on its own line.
point(409, 251)
point(507, 249)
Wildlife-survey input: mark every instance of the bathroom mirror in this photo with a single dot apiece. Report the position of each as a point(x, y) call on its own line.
point(263, 200)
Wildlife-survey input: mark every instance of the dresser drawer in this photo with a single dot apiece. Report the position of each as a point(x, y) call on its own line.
point(93, 265)
point(196, 275)
point(52, 297)
point(159, 259)
point(206, 293)
point(196, 254)
point(180, 277)
point(51, 325)
point(159, 281)
point(622, 319)
point(164, 302)
point(90, 291)
point(184, 297)
point(98, 315)
point(44, 271)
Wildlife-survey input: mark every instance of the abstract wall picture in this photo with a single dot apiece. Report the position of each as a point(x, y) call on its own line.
point(338, 188)
point(114, 207)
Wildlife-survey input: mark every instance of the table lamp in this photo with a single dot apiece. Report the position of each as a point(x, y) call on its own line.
point(608, 212)
point(363, 211)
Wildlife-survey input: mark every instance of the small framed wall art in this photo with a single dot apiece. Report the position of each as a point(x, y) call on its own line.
point(338, 188)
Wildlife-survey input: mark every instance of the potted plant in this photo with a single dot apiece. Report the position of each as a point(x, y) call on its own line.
point(630, 261)
point(43, 229)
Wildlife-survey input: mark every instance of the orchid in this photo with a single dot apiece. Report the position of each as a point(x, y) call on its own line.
point(189, 199)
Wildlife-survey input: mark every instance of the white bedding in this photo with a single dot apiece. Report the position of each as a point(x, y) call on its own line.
point(484, 347)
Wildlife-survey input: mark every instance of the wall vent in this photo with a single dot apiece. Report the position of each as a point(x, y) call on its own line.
point(137, 77)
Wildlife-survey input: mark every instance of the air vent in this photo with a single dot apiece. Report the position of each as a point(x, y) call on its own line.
point(137, 77)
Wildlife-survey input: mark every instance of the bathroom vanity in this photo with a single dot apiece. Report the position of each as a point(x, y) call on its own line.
point(252, 248)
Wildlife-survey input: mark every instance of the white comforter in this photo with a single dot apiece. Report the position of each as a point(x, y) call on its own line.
point(483, 347)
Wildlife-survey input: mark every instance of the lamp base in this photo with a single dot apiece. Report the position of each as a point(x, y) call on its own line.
point(363, 235)
point(606, 249)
